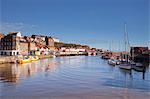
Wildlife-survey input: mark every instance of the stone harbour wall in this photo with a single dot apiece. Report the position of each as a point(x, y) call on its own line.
point(8, 59)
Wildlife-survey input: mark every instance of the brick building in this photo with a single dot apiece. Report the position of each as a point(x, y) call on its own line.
point(9, 44)
point(24, 48)
point(1, 36)
point(50, 43)
point(15, 44)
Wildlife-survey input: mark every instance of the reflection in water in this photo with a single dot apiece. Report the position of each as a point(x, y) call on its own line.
point(81, 77)
point(12, 72)
point(127, 73)
point(9, 73)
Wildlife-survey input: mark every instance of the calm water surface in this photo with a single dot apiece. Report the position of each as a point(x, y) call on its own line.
point(75, 77)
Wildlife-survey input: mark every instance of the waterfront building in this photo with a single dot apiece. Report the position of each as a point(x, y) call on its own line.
point(44, 41)
point(139, 54)
point(41, 50)
point(10, 44)
point(32, 48)
point(44, 44)
point(50, 43)
point(65, 49)
point(14, 44)
point(56, 40)
point(92, 51)
point(39, 39)
point(23, 50)
point(1, 36)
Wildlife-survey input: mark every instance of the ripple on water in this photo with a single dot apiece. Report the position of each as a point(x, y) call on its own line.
point(71, 76)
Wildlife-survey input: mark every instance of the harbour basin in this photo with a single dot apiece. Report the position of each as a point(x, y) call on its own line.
point(72, 77)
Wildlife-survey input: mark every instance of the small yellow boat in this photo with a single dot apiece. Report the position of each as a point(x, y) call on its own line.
point(24, 60)
point(35, 58)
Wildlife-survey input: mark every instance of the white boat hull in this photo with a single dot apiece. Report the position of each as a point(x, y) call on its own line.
point(125, 66)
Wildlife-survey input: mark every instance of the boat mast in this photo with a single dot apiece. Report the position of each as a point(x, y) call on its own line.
point(126, 41)
point(125, 36)
point(109, 46)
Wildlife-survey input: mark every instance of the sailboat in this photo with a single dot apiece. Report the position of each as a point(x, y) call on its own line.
point(125, 64)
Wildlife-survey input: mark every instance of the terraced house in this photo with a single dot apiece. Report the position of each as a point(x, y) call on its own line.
point(16, 44)
point(10, 44)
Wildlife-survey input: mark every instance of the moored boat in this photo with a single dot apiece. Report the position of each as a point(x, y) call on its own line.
point(126, 66)
point(117, 61)
point(139, 64)
point(105, 57)
point(125, 61)
point(112, 62)
point(139, 69)
point(132, 63)
point(54, 56)
point(35, 58)
point(24, 60)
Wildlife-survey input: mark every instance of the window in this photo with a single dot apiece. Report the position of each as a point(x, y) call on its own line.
point(13, 53)
point(14, 36)
point(10, 53)
point(14, 43)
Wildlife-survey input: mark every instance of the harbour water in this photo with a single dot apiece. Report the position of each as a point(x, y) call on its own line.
point(72, 77)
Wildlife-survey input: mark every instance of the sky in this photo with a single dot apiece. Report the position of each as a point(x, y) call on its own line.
point(97, 23)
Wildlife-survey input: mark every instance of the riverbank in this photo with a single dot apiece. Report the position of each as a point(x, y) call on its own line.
point(14, 59)
point(8, 59)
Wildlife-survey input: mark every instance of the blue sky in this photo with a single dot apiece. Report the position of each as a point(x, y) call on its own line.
point(92, 22)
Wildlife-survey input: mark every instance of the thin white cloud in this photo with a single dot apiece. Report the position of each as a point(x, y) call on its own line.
point(9, 27)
